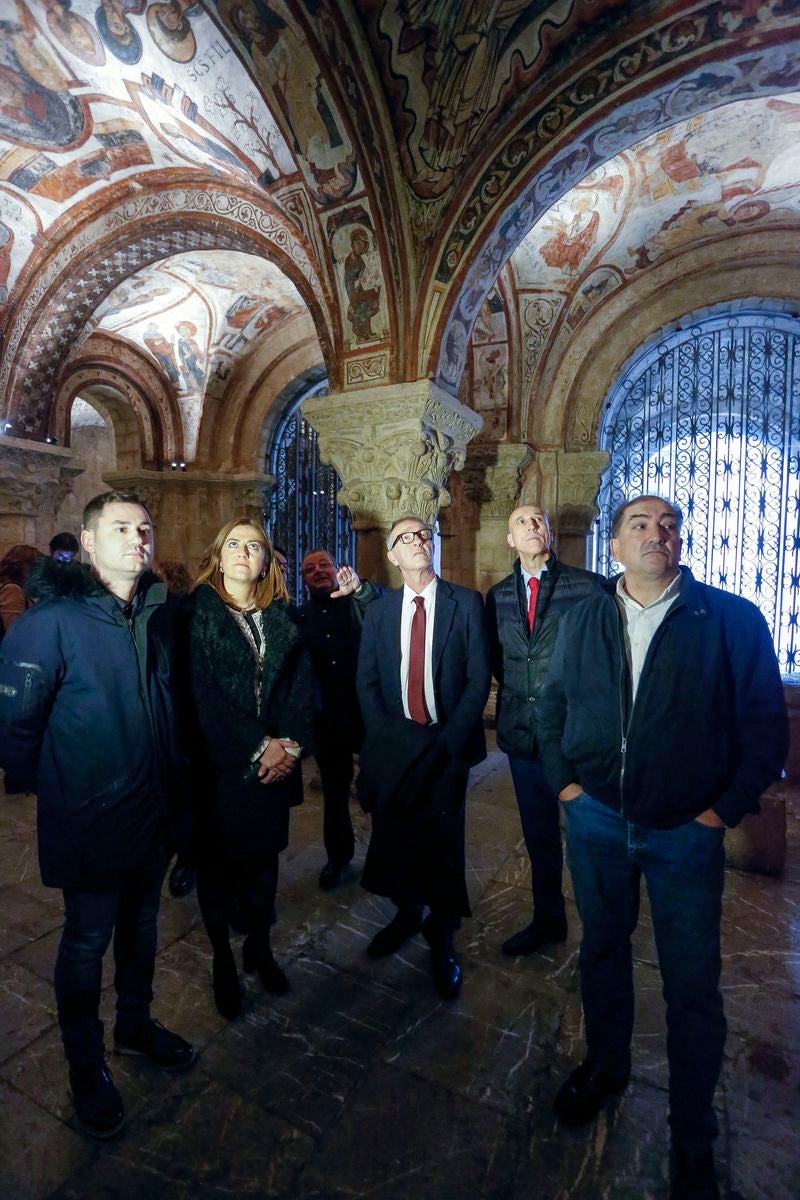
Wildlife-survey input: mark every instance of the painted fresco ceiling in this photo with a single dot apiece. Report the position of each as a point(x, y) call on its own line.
point(724, 173)
point(380, 134)
point(195, 316)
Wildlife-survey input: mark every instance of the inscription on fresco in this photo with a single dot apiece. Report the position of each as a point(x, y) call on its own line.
point(216, 52)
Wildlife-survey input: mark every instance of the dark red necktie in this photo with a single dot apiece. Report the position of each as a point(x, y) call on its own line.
point(533, 588)
point(417, 707)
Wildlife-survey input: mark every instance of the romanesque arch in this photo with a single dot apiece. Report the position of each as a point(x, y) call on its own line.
point(64, 288)
point(683, 66)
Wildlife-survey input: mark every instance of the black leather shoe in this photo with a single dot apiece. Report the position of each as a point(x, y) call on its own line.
point(534, 936)
point(332, 874)
point(227, 992)
point(447, 974)
point(693, 1174)
point(181, 881)
point(582, 1095)
point(151, 1040)
point(98, 1105)
point(261, 959)
point(388, 940)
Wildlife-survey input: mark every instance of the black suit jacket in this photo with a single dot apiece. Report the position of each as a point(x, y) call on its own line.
point(461, 670)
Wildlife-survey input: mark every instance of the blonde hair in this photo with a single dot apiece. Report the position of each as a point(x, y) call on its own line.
point(271, 586)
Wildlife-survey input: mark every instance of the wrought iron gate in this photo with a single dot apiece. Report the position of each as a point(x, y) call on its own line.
point(710, 417)
point(304, 514)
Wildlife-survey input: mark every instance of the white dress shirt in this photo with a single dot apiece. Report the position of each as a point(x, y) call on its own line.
point(640, 622)
point(408, 610)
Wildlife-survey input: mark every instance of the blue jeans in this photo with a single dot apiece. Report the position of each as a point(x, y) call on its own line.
point(683, 868)
point(538, 814)
point(128, 909)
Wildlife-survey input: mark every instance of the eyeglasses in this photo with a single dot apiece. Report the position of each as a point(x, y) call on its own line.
point(424, 535)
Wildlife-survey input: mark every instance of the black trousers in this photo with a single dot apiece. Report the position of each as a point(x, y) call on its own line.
point(128, 909)
point(538, 814)
point(256, 883)
point(417, 857)
point(335, 762)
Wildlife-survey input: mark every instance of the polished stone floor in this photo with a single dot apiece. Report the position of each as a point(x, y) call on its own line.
point(361, 1082)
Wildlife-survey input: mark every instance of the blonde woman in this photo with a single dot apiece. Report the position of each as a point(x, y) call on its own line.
point(252, 693)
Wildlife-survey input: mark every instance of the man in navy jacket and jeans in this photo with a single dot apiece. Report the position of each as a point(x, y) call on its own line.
point(663, 723)
point(86, 721)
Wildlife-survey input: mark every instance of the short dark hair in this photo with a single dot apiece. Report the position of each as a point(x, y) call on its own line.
point(621, 509)
point(94, 509)
point(64, 541)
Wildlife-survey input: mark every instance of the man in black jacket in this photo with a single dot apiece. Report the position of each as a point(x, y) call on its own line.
point(331, 622)
point(523, 613)
point(86, 720)
point(663, 722)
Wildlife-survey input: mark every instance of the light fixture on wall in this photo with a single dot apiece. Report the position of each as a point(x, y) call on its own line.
point(8, 428)
point(177, 465)
point(51, 441)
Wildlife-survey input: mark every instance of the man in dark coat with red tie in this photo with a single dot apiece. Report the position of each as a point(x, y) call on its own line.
point(523, 612)
point(423, 680)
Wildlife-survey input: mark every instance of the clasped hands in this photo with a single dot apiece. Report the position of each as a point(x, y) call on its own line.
point(277, 762)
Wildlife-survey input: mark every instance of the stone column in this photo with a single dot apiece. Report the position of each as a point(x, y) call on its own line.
point(35, 479)
point(492, 478)
point(566, 483)
point(393, 448)
point(190, 507)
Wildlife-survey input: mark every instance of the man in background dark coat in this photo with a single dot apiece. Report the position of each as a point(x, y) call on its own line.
point(86, 720)
point(331, 623)
point(423, 680)
point(522, 632)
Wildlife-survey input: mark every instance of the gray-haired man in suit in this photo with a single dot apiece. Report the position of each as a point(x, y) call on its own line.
point(423, 680)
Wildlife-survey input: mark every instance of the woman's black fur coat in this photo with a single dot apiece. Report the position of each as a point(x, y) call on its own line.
point(251, 818)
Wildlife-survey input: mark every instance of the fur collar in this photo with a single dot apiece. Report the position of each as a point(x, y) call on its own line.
point(52, 580)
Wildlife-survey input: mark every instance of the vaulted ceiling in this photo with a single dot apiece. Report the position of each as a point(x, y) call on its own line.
point(184, 180)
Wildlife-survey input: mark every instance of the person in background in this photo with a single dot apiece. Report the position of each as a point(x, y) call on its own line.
point(331, 623)
point(662, 723)
point(15, 568)
point(87, 722)
point(64, 547)
point(283, 562)
point(251, 691)
point(175, 576)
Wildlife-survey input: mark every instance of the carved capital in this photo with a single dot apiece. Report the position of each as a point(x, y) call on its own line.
point(34, 479)
point(493, 474)
point(393, 448)
point(578, 485)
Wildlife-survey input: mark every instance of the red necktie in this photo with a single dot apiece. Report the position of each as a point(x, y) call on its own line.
point(533, 588)
point(416, 665)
